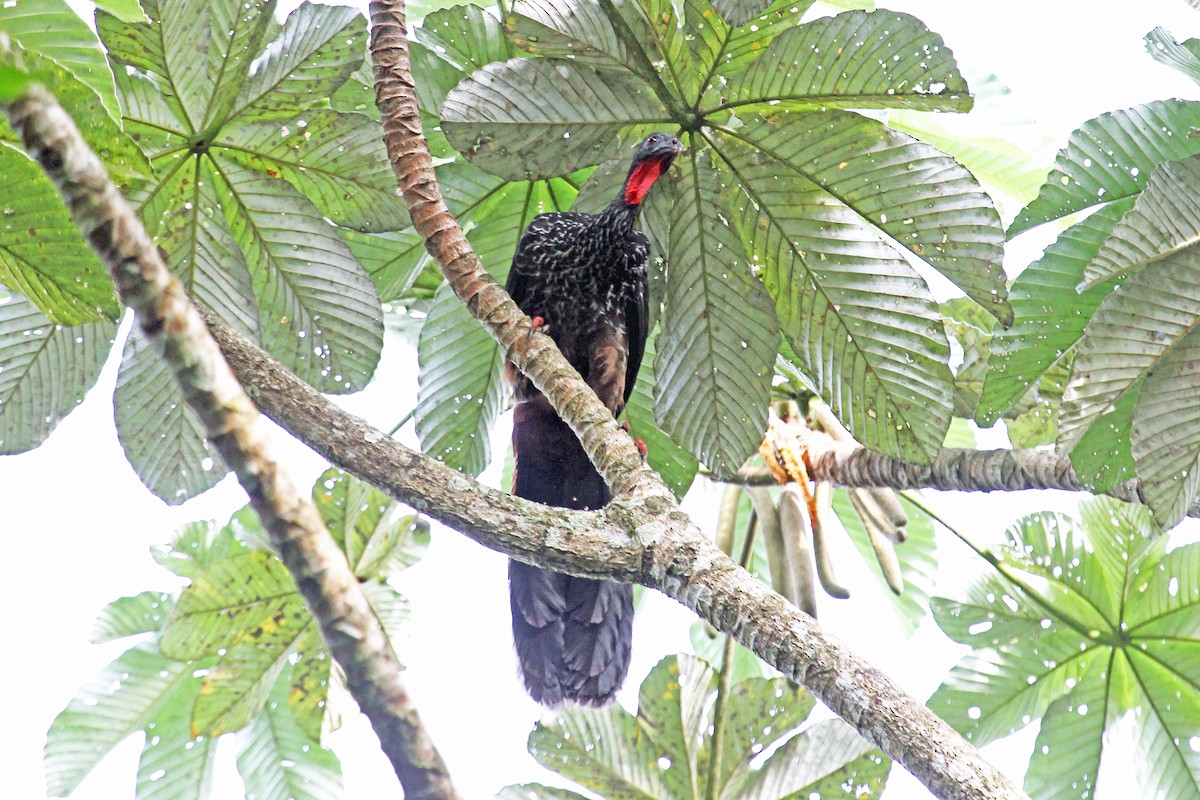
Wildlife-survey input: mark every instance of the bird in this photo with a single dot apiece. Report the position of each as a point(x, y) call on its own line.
point(583, 279)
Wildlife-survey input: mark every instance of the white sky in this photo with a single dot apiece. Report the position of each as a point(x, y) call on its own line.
point(77, 500)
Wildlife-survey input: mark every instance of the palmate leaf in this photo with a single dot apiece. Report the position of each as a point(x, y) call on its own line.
point(858, 59)
point(1094, 623)
point(173, 764)
point(362, 520)
point(144, 612)
point(196, 546)
point(675, 465)
point(278, 762)
point(120, 701)
point(664, 751)
point(1183, 56)
point(1111, 157)
point(860, 320)
point(1049, 314)
point(46, 371)
point(42, 254)
point(560, 29)
point(719, 333)
point(600, 114)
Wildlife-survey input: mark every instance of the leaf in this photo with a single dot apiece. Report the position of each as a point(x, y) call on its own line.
point(42, 254)
point(862, 323)
point(393, 610)
point(676, 466)
point(1049, 315)
point(278, 762)
point(196, 546)
point(173, 764)
point(127, 10)
point(536, 791)
point(918, 196)
point(53, 30)
point(1166, 49)
point(828, 760)
point(738, 12)
point(145, 612)
point(1165, 433)
point(14, 83)
point(1103, 456)
point(362, 520)
point(394, 260)
point(1132, 330)
point(162, 438)
point(1164, 221)
point(1110, 158)
point(1093, 626)
point(674, 711)
point(236, 686)
point(858, 59)
point(560, 29)
point(118, 702)
point(308, 697)
point(570, 116)
point(719, 336)
point(47, 369)
point(330, 339)
point(317, 50)
point(334, 160)
point(757, 714)
point(243, 597)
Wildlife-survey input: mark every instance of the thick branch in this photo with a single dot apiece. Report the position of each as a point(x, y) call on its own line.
point(168, 317)
point(676, 556)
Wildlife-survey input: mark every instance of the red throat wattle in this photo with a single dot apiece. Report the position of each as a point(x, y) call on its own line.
point(643, 177)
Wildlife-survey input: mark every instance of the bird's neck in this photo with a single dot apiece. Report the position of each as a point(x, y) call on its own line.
point(623, 210)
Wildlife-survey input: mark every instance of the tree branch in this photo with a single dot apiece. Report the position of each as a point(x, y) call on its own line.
point(168, 317)
point(672, 553)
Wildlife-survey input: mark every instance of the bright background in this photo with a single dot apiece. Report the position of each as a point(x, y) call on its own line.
point(79, 523)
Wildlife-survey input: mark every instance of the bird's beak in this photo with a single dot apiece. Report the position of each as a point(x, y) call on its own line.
point(668, 150)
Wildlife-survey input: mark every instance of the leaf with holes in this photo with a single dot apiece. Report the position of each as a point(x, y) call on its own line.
point(719, 332)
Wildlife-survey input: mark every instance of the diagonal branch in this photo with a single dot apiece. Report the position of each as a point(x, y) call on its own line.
point(674, 555)
point(236, 429)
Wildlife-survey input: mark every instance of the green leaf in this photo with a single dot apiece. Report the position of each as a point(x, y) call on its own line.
point(561, 29)
point(739, 12)
point(536, 791)
point(13, 83)
point(1049, 315)
point(1103, 456)
point(196, 546)
point(174, 765)
point(861, 321)
point(333, 159)
point(828, 760)
point(676, 466)
point(42, 254)
point(674, 712)
point(394, 260)
point(1111, 157)
point(236, 686)
point(719, 336)
point(393, 610)
point(757, 714)
point(308, 697)
point(917, 556)
point(120, 701)
point(47, 369)
point(145, 612)
point(162, 438)
point(127, 10)
point(278, 762)
point(1164, 221)
point(1092, 626)
point(329, 339)
point(54, 31)
point(1129, 335)
point(317, 50)
point(571, 116)
point(1165, 433)
point(858, 59)
point(918, 196)
point(1166, 49)
point(362, 520)
point(244, 597)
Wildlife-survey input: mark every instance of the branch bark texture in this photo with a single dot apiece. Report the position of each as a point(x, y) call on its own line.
point(644, 526)
point(233, 424)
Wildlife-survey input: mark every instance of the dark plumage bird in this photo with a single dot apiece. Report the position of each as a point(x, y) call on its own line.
point(585, 276)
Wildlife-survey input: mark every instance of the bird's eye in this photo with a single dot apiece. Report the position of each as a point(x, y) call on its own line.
point(652, 140)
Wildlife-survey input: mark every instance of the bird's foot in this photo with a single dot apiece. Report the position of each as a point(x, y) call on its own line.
point(538, 324)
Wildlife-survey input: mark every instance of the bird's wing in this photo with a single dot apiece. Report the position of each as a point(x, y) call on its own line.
point(537, 249)
point(637, 320)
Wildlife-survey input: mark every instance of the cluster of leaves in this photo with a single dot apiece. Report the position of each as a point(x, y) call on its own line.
point(1088, 624)
point(698, 735)
point(242, 146)
point(789, 213)
point(1101, 349)
point(235, 650)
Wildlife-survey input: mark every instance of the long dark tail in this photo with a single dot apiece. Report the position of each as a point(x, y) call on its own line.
point(573, 635)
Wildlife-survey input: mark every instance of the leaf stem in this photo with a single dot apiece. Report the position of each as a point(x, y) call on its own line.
point(403, 421)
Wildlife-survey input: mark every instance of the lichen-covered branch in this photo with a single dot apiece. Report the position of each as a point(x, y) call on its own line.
point(675, 556)
point(168, 317)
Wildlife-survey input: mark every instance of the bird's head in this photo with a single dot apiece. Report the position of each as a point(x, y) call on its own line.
point(650, 161)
